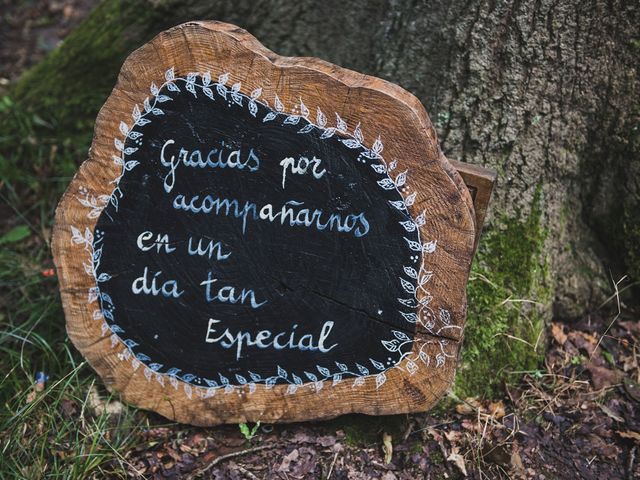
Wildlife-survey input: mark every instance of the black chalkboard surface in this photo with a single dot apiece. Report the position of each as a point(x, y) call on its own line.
point(243, 247)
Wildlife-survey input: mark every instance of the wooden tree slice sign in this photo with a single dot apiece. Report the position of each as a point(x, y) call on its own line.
point(255, 237)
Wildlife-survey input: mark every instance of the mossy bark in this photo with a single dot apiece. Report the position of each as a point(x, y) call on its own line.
point(545, 92)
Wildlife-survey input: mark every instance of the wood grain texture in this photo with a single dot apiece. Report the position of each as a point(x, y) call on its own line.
point(381, 109)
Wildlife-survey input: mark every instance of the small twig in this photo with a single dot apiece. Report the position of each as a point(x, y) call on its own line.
point(335, 457)
point(615, 295)
point(246, 472)
point(222, 458)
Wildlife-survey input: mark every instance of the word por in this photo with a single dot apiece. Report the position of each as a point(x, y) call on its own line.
point(216, 158)
point(300, 167)
point(142, 284)
point(266, 339)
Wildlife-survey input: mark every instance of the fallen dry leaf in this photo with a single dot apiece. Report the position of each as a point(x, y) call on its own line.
point(469, 407)
point(630, 434)
point(557, 332)
point(497, 409)
point(457, 460)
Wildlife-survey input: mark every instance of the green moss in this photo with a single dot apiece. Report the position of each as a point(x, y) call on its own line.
point(73, 81)
point(503, 324)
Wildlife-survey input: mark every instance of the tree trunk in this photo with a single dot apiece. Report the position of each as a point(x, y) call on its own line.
point(544, 92)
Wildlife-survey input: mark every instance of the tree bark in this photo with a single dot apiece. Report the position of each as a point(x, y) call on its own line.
point(545, 92)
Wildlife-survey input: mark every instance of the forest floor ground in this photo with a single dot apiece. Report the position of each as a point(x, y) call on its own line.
point(576, 416)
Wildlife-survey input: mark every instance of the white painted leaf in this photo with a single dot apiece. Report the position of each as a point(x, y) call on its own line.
point(397, 204)
point(328, 133)
point(412, 367)
point(173, 87)
point(401, 336)
point(222, 90)
point(377, 146)
point(415, 246)
point(445, 316)
point(292, 119)
point(342, 366)
point(224, 78)
point(429, 247)
point(341, 125)
point(407, 302)
point(291, 389)
point(278, 104)
point(136, 113)
point(235, 88)
point(425, 277)
point(124, 128)
point(387, 184)
point(253, 108)
point(306, 128)
point(147, 105)
point(351, 143)
point(118, 143)
point(358, 382)
point(391, 345)
point(410, 200)
point(410, 317)
point(357, 133)
point(188, 390)
point(206, 78)
point(378, 168)
point(321, 120)
point(207, 91)
point(324, 371)
point(130, 150)
point(421, 219)
point(375, 363)
point(135, 135)
point(401, 179)
point(408, 287)
point(380, 379)
point(440, 360)
point(304, 111)
point(169, 75)
point(162, 98)
point(256, 93)
point(362, 370)
point(282, 372)
point(408, 225)
point(191, 88)
point(411, 272)
point(154, 89)
point(174, 382)
point(157, 111)
point(268, 117)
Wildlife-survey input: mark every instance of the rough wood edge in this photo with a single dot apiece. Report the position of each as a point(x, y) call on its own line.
point(480, 182)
